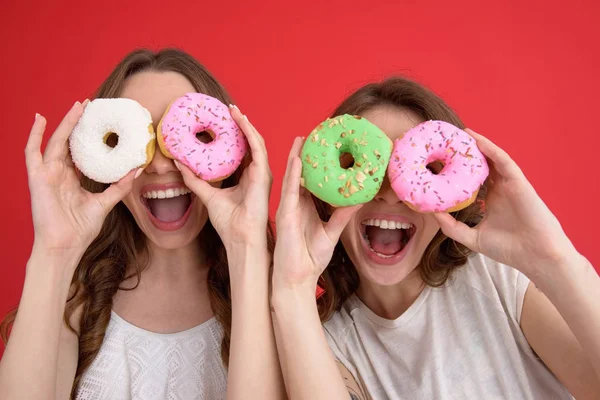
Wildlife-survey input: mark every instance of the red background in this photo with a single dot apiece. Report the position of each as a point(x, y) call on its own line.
point(525, 75)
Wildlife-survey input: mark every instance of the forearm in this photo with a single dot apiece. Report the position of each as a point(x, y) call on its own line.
point(310, 370)
point(32, 351)
point(253, 363)
point(573, 289)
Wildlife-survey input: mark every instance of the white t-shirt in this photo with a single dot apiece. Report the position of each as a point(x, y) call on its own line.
point(137, 364)
point(460, 341)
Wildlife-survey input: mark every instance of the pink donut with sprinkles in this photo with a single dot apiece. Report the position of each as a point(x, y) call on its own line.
point(198, 131)
point(452, 188)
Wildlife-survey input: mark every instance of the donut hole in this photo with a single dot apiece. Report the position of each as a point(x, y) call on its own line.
point(205, 136)
point(111, 139)
point(435, 167)
point(346, 160)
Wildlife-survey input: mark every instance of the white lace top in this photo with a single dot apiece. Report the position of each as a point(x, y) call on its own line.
point(137, 364)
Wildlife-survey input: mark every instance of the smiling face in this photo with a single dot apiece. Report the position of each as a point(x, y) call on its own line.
point(385, 239)
point(166, 211)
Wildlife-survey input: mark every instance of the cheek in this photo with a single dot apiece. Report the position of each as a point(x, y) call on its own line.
point(129, 202)
point(346, 238)
point(430, 228)
point(350, 240)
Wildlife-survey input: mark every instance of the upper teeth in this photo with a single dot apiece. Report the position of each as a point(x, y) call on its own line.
point(166, 194)
point(386, 224)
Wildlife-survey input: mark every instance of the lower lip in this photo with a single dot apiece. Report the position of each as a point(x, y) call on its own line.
point(396, 258)
point(173, 225)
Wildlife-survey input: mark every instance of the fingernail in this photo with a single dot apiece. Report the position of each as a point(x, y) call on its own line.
point(36, 116)
point(138, 173)
point(85, 102)
point(177, 165)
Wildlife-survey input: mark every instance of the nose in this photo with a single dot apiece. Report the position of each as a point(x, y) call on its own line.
point(386, 193)
point(160, 164)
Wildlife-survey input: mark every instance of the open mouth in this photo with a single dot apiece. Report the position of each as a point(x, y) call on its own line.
point(168, 207)
point(387, 238)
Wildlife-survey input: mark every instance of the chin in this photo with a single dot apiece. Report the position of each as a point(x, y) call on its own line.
point(386, 248)
point(170, 216)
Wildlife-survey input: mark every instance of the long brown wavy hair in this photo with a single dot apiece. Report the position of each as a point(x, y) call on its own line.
point(340, 279)
point(121, 245)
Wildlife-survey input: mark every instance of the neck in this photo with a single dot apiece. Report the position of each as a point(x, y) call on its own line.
point(390, 302)
point(181, 263)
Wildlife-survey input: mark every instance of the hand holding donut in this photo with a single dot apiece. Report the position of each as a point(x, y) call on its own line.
point(239, 214)
point(65, 216)
point(518, 229)
point(305, 243)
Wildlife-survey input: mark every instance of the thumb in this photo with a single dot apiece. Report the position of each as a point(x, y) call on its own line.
point(338, 221)
point(201, 188)
point(117, 191)
point(457, 230)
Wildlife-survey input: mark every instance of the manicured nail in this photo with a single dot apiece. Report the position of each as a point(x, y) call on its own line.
point(85, 102)
point(77, 103)
point(37, 116)
point(177, 165)
point(138, 173)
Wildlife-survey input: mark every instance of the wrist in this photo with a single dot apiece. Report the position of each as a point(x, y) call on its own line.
point(287, 297)
point(248, 262)
point(243, 252)
point(55, 261)
point(551, 276)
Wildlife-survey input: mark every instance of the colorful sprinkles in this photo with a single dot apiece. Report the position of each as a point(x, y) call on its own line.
point(194, 113)
point(451, 189)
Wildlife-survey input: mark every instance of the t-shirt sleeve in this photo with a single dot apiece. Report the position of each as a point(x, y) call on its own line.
point(509, 284)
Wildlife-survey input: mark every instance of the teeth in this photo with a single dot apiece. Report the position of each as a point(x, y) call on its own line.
point(166, 194)
point(386, 224)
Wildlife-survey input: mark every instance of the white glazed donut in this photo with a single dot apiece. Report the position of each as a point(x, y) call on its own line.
point(135, 148)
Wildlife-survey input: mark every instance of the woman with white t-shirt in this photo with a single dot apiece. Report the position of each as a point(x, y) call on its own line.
point(479, 304)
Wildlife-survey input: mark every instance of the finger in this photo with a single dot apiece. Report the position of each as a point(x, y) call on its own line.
point(457, 230)
point(502, 163)
point(255, 140)
point(58, 146)
point(33, 154)
point(291, 179)
point(117, 191)
point(204, 190)
point(338, 221)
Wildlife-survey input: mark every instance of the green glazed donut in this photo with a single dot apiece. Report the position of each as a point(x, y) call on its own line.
point(322, 173)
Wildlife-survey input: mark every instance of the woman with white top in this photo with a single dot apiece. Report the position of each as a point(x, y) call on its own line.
point(477, 304)
point(116, 307)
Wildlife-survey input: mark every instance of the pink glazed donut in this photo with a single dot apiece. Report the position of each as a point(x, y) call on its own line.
point(454, 187)
point(195, 114)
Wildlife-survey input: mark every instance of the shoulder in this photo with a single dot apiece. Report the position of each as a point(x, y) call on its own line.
point(341, 322)
point(499, 283)
point(339, 334)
